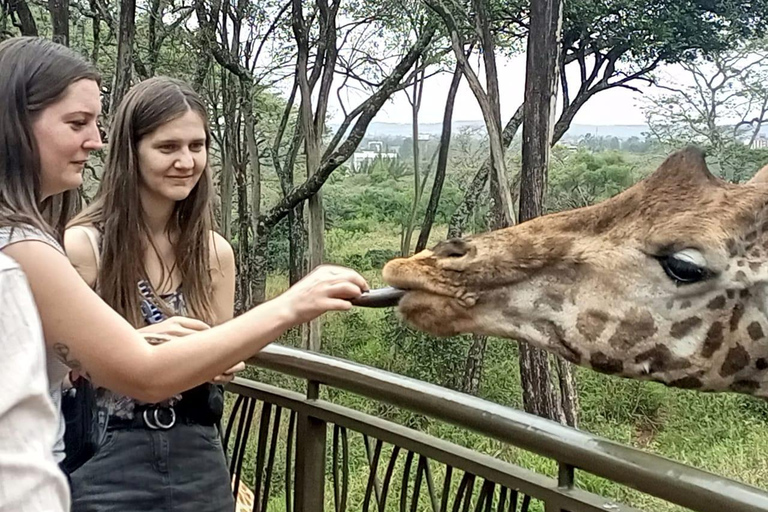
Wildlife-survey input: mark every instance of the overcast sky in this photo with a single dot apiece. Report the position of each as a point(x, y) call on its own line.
point(615, 106)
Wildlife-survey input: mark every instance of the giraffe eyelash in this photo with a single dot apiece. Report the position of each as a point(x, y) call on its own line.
point(683, 268)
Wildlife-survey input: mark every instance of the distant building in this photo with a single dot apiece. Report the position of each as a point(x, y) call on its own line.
point(761, 142)
point(376, 149)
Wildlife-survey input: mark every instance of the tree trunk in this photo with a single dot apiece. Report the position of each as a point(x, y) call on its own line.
point(19, 9)
point(243, 245)
point(59, 10)
point(539, 396)
point(569, 396)
point(124, 52)
point(312, 123)
point(418, 89)
point(442, 162)
point(228, 150)
point(473, 371)
point(96, 31)
point(258, 286)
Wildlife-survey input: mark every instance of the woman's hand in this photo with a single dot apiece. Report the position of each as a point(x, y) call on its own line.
point(326, 288)
point(228, 375)
point(178, 326)
point(173, 327)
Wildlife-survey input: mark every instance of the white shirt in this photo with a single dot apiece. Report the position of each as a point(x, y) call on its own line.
point(55, 368)
point(30, 479)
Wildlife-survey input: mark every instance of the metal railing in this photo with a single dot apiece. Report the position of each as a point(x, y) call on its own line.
point(304, 436)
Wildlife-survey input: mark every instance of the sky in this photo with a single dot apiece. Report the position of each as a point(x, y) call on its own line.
point(617, 106)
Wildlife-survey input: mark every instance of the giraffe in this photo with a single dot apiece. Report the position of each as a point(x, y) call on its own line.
point(245, 497)
point(666, 281)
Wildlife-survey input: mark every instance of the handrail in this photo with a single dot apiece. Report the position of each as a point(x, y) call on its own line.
point(485, 466)
point(652, 474)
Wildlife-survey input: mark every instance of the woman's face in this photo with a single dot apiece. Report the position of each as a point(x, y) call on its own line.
point(173, 157)
point(66, 132)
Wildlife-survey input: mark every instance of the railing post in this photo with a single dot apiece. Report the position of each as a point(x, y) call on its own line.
point(310, 460)
point(566, 479)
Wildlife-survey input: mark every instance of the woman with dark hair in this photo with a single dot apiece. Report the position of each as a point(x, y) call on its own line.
point(48, 128)
point(155, 197)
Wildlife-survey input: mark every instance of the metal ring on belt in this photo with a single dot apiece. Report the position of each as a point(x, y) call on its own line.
point(157, 424)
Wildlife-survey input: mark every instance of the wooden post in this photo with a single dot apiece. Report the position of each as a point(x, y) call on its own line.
point(310, 459)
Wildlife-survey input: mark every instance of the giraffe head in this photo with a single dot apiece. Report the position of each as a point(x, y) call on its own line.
point(667, 281)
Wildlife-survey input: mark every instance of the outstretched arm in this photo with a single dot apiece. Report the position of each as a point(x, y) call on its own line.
point(92, 338)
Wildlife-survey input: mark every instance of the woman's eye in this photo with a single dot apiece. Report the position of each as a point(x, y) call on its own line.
point(685, 267)
point(197, 147)
point(78, 125)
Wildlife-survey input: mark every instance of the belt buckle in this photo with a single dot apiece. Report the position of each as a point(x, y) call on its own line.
point(153, 422)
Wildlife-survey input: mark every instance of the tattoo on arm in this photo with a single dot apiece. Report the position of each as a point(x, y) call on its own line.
point(62, 352)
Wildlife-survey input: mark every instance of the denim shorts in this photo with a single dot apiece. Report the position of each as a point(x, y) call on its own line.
point(182, 469)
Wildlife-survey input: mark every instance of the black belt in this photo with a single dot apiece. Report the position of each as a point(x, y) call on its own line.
point(152, 418)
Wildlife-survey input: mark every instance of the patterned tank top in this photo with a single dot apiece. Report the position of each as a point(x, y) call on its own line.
point(123, 406)
point(116, 404)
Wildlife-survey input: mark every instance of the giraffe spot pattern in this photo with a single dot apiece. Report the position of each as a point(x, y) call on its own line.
point(761, 363)
point(736, 314)
point(689, 382)
point(745, 386)
point(682, 329)
point(591, 323)
point(713, 340)
point(553, 300)
point(606, 364)
point(736, 360)
point(556, 336)
point(755, 331)
point(717, 303)
point(633, 328)
point(660, 358)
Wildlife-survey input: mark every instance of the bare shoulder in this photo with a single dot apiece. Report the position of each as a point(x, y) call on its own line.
point(222, 255)
point(80, 249)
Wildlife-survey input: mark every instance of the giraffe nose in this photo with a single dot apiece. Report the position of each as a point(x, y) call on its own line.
point(453, 248)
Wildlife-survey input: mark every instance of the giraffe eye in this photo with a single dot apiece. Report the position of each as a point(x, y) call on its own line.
point(685, 267)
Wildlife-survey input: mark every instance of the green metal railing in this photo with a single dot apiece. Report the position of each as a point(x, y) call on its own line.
point(395, 449)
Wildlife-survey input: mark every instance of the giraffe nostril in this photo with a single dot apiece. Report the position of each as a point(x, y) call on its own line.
point(453, 248)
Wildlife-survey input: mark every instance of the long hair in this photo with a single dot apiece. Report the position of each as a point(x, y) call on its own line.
point(117, 208)
point(34, 74)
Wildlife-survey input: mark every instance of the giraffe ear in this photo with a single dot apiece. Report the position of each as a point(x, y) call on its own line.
point(761, 176)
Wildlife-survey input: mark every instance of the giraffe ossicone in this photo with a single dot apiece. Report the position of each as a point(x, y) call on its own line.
point(666, 281)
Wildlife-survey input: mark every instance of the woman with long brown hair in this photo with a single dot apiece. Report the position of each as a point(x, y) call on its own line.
point(48, 128)
point(147, 246)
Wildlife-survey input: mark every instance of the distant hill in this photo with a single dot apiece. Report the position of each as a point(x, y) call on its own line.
point(379, 129)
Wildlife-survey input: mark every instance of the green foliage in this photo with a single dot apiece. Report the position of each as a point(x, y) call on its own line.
point(665, 30)
point(583, 178)
point(363, 202)
point(425, 357)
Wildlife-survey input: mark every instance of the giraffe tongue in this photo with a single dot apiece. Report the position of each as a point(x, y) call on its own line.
point(379, 298)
